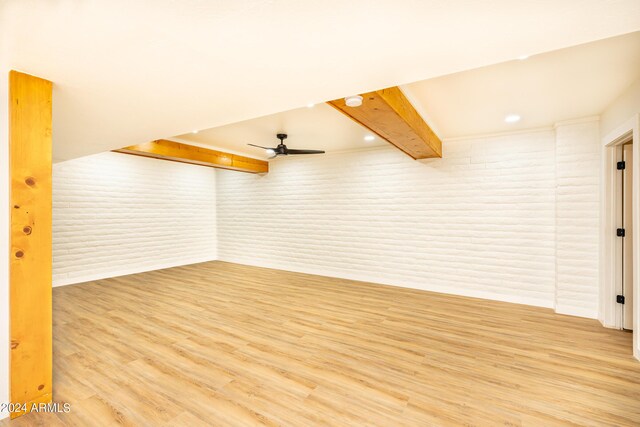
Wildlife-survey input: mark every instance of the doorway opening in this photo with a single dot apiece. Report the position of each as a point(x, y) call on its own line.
point(620, 230)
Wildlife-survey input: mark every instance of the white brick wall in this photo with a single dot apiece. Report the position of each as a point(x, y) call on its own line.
point(479, 222)
point(118, 214)
point(577, 218)
point(512, 218)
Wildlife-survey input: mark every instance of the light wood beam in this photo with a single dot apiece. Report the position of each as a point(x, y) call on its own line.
point(389, 114)
point(30, 241)
point(178, 152)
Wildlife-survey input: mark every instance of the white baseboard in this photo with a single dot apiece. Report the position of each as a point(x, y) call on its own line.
point(577, 311)
point(425, 286)
point(115, 273)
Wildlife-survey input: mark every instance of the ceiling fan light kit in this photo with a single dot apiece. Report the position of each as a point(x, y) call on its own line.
point(282, 150)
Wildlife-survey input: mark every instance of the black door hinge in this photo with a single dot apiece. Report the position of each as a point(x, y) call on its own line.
point(620, 232)
point(620, 166)
point(620, 299)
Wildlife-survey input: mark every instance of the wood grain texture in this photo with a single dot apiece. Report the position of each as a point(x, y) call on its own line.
point(178, 152)
point(389, 114)
point(231, 345)
point(30, 239)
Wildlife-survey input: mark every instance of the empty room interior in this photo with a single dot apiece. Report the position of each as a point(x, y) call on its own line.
point(295, 213)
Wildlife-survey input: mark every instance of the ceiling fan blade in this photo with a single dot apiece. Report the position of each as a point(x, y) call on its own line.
point(260, 146)
point(293, 151)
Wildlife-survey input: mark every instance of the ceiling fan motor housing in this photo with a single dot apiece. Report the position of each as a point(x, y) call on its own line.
point(281, 149)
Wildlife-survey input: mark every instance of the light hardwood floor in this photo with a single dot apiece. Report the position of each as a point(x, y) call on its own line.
point(223, 344)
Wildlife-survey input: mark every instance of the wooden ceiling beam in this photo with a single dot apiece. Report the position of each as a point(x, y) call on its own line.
point(178, 152)
point(389, 114)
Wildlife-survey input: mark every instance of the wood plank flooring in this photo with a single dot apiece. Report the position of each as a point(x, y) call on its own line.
point(219, 344)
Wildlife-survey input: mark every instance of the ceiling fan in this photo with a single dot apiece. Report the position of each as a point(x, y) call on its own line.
point(282, 150)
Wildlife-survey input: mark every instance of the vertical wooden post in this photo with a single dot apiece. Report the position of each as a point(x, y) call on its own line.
point(30, 240)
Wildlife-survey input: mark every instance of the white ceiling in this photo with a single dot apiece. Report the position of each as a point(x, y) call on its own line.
point(570, 83)
point(319, 127)
point(131, 71)
point(565, 84)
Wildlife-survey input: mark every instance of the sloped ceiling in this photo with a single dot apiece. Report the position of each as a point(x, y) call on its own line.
point(566, 84)
point(132, 71)
point(544, 89)
point(317, 127)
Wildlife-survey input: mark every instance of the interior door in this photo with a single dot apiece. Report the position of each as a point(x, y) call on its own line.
point(627, 248)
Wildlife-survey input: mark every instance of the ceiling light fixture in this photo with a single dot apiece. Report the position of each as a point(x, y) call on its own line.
point(512, 118)
point(311, 105)
point(369, 138)
point(353, 101)
point(523, 57)
point(194, 131)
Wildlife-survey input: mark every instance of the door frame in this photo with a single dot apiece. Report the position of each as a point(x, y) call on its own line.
point(625, 287)
point(610, 313)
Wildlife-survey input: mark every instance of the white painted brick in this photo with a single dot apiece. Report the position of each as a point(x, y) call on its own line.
point(481, 221)
point(577, 219)
point(511, 218)
point(118, 214)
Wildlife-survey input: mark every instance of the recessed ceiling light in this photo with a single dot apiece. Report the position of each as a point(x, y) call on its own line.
point(353, 101)
point(369, 138)
point(523, 57)
point(512, 118)
point(194, 131)
point(311, 105)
